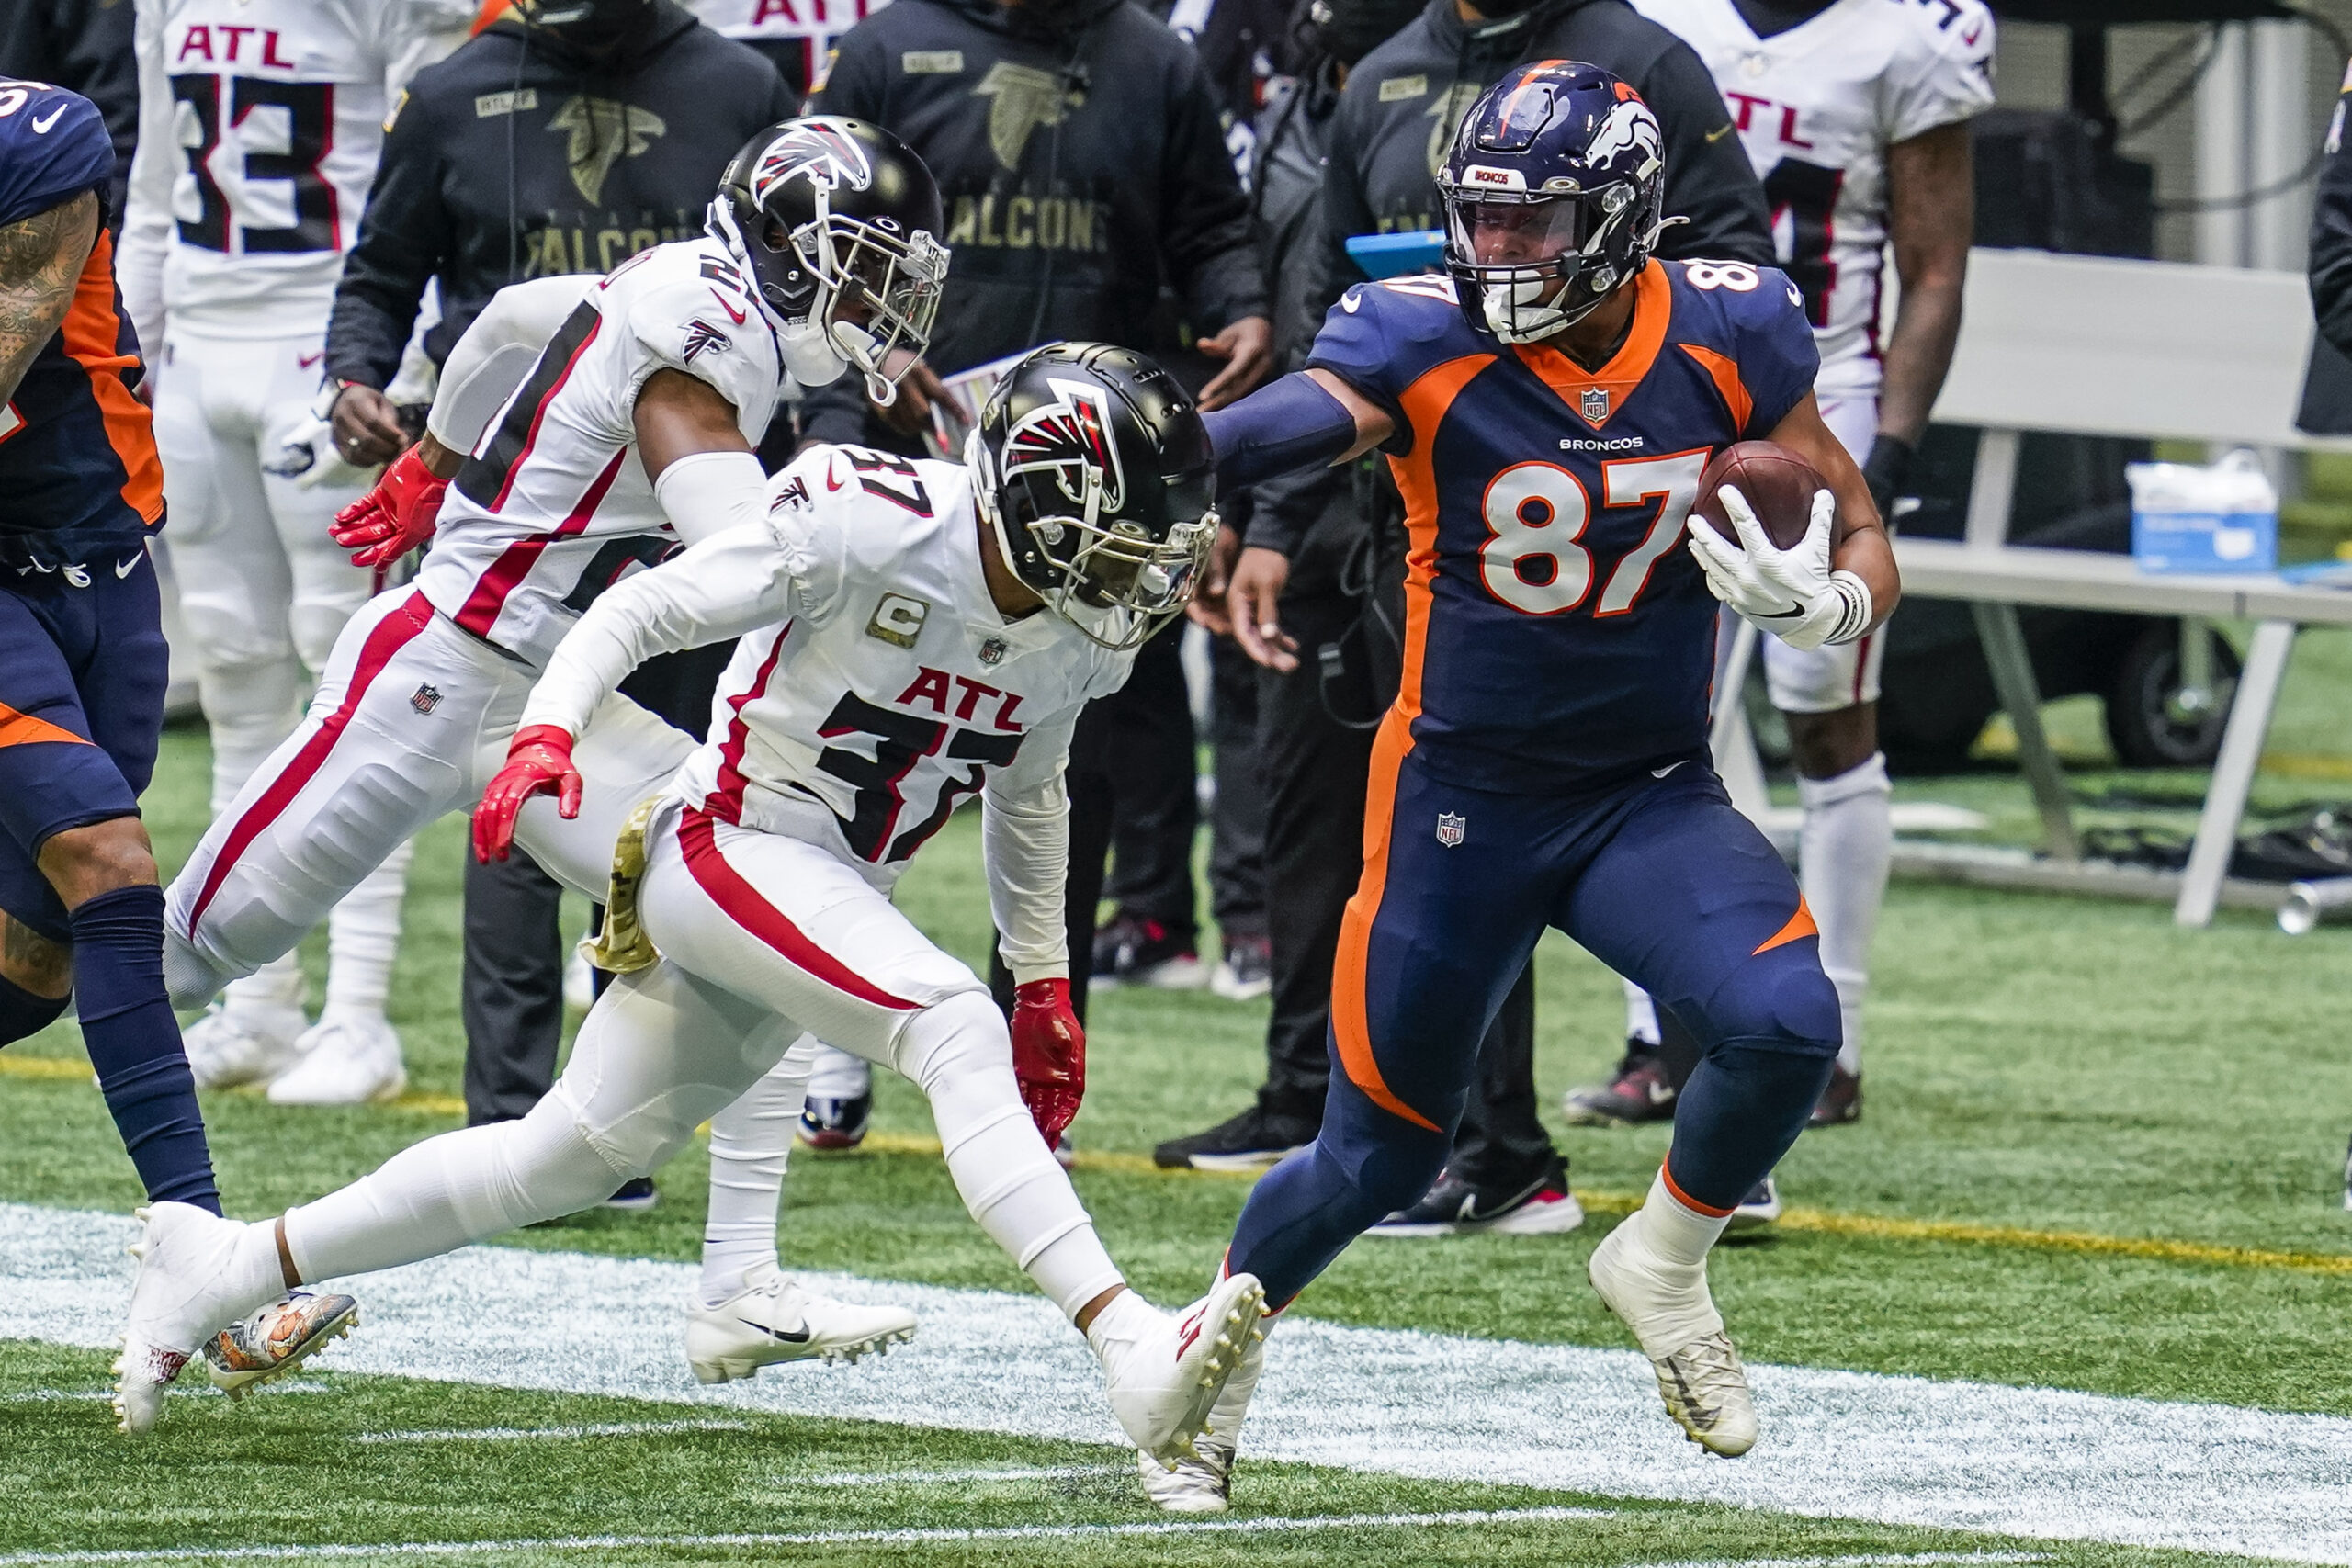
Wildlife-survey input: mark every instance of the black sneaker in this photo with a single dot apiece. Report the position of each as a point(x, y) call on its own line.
point(1255, 1140)
point(1134, 951)
point(1842, 1102)
point(1453, 1207)
point(835, 1123)
point(1247, 970)
point(1759, 1209)
point(634, 1197)
point(1638, 1093)
point(2347, 1181)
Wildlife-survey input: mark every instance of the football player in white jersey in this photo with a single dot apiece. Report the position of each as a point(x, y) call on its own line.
point(641, 408)
point(1855, 114)
point(913, 633)
point(260, 122)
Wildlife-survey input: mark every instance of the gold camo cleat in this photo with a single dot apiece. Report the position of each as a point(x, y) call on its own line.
point(275, 1339)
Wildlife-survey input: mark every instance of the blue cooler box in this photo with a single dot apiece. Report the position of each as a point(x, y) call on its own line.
point(2205, 541)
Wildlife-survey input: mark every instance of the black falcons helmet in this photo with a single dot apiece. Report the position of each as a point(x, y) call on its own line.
point(1093, 467)
point(840, 223)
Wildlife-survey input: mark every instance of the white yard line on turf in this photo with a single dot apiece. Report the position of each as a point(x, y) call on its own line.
point(526, 1434)
point(903, 1538)
point(2019, 1461)
point(44, 1395)
point(959, 1477)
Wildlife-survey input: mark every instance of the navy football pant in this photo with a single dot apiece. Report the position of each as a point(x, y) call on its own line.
point(1660, 879)
point(82, 675)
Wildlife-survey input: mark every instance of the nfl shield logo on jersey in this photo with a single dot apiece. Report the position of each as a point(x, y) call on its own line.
point(1450, 825)
point(427, 698)
point(992, 651)
point(1594, 404)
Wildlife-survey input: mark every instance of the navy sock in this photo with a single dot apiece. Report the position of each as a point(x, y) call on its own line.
point(134, 1043)
point(1743, 1106)
point(23, 1014)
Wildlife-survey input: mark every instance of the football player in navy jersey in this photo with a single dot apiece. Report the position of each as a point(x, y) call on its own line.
point(1549, 409)
point(82, 673)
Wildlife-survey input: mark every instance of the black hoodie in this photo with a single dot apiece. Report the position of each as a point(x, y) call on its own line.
point(1082, 166)
point(513, 159)
point(1402, 101)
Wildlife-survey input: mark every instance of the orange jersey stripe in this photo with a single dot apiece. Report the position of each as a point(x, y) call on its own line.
point(1424, 404)
point(1349, 1008)
point(1800, 926)
point(1727, 382)
point(91, 334)
point(19, 728)
point(1652, 310)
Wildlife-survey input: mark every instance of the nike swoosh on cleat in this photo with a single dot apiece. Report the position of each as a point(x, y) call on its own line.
point(40, 127)
point(801, 1337)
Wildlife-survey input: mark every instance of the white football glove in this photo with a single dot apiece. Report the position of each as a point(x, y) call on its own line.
point(1791, 594)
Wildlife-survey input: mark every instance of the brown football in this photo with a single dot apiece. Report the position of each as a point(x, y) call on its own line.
point(1779, 485)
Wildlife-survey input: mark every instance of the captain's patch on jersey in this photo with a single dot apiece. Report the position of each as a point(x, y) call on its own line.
point(898, 619)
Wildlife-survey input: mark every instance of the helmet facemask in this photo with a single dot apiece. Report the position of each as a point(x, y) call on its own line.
point(890, 279)
point(1107, 576)
point(1551, 268)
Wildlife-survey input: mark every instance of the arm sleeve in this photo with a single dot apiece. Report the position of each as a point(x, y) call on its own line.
point(1357, 346)
point(708, 494)
point(147, 217)
point(1778, 357)
point(491, 360)
point(1287, 424)
point(403, 239)
point(1204, 233)
point(1709, 180)
point(1025, 840)
point(2331, 245)
point(726, 586)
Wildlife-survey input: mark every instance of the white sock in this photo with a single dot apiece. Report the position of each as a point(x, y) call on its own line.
point(958, 1053)
point(1641, 1015)
point(1842, 858)
point(834, 1074)
point(277, 984)
point(461, 1187)
point(1670, 1242)
point(363, 937)
point(257, 1279)
point(749, 1144)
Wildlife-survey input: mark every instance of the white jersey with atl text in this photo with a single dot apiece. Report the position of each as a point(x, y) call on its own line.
point(875, 687)
point(259, 126)
point(1817, 106)
point(553, 506)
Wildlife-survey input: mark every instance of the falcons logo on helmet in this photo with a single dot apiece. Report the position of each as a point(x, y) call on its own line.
point(818, 151)
point(1069, 437)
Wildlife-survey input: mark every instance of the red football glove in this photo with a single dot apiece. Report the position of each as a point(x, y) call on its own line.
point(395, 518)
point(1048, 1056)
point(538, 760)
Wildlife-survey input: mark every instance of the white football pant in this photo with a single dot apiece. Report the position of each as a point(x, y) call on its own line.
point(264, 592)
point(410, 722)
point(766, 939)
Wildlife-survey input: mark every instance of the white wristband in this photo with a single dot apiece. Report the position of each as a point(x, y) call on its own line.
point(1854, 618)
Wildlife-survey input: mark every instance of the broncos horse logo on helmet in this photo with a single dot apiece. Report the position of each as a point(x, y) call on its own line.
point(838, 223)
point(1553, 194)
point(1092, 467)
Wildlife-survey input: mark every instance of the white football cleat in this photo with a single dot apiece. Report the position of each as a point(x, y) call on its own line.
point(1699, 1373)
point(772, 1320)
point(183, 1293)
point(1203, 1483)
point(349, 1059)
point(1164, 1371)
point(243, 1043)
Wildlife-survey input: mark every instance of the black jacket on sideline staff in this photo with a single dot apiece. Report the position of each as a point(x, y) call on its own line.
point(2331, 245)
point(1081, 170)
point(513, 160)
point(83, 46)
point(1404, 99)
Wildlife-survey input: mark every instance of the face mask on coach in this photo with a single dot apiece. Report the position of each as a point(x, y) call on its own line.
point(596, 28)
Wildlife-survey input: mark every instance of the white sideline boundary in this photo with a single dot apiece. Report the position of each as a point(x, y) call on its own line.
point(2038, 1463)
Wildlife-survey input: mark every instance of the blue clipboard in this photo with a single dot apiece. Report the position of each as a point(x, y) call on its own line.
point(1394, 255)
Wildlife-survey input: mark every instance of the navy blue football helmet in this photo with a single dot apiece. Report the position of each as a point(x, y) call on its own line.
point(1553, 192)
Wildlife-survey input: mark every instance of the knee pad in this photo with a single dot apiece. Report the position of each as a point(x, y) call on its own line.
point(23, 1013)
point(962, 1035)
point(1781, 1000)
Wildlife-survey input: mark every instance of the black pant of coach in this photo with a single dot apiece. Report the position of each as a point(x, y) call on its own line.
point(1315, 732)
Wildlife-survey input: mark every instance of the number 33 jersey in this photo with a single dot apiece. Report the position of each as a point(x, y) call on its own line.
point(1558, 631)
point(1817, 106)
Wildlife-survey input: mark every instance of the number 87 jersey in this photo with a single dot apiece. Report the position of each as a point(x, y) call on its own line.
point(1557, 633)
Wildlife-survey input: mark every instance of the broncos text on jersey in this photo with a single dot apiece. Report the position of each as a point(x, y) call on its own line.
point(77, 447)
point(1557, 634)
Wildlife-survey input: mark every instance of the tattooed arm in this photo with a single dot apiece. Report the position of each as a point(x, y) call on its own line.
point(41, 261)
